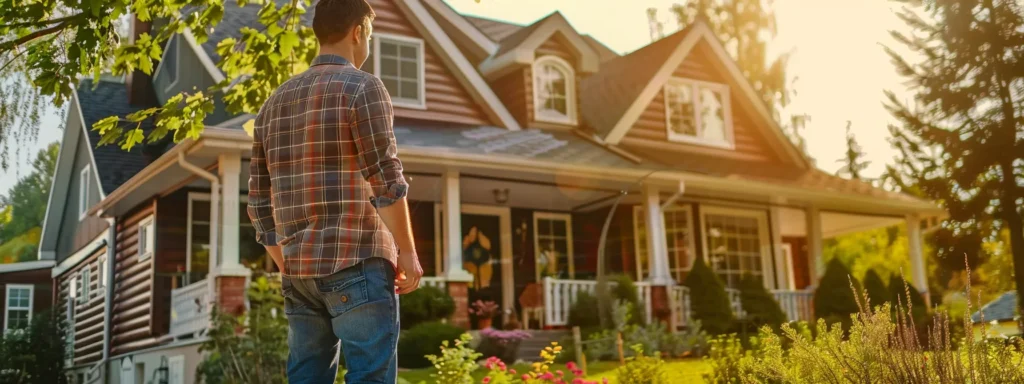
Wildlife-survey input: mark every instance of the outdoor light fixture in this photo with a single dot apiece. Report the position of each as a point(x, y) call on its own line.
point(501, 196)
point(163, 372)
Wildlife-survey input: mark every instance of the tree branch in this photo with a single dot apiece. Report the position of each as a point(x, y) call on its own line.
point(8, 45)
point(41, 23)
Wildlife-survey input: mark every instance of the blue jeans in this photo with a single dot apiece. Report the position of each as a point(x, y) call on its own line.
point(356, 309)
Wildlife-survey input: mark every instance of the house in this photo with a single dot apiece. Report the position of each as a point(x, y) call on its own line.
point(26, 292)
point(997, 318)
point(518, 141)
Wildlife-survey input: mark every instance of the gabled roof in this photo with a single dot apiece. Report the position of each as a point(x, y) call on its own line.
point(520, 46)
point(1003, 308)
point(498, 30)
point(614, 98)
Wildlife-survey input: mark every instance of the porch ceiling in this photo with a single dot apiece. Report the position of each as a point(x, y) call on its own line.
point(552, 195)
point(794, 223)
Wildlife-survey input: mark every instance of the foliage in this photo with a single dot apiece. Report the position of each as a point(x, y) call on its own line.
point(642, 369)
point(960, 137)
point(35, 355)
point(21, 248)
point(425, 304)
point(582, 313)
point(884, 250)
point(759, 304)
point(708, 300)
point(853, 159)
point(456, 363)
point(875, 289)
point(423, 339)
point(899, 290)
point(257, 354)
point(834, 300)
point(499, 373)
point(55, 43)
point(24, 205)
point(727, 355)
point(623, 288)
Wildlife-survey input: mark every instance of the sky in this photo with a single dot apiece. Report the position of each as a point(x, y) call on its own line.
point(837, 59)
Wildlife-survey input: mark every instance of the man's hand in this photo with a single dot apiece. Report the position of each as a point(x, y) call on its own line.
point(409, 273)
point(277, 255)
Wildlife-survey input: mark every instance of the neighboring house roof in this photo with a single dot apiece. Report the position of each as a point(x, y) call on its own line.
point(26, 266)
point(519, 47)
point(1003, 308)
point(114, 165)
point(236, 18)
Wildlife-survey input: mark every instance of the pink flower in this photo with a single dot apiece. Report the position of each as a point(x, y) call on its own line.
point(527, 378)
point(487, 380)
point(512, 371)
point(559, 373)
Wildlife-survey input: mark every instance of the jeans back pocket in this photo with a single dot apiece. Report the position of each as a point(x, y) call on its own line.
point(343, 290)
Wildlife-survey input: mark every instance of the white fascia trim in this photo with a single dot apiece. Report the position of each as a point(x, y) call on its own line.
point(525, 52)
point(59, 184)
point(464, 70)
point(92, 157)
point(482, 41)
point(211, 68)
point(656, 84)
point(81, 254)
point(177, 67)
point(26, 266)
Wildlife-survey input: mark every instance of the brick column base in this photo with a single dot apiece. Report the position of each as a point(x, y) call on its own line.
point(661, 304)
point(459, 291)
point(231, 294)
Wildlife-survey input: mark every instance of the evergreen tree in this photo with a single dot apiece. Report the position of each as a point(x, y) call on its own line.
point(960, 138)
point(759, 304)
point(834, 298)
point(24, 206)
point(708, 300)
point(853, 160)
point(898, 289)
point(877, 293)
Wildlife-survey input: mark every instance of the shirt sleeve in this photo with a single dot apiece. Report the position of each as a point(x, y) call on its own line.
point(260, 210)
point(374, 136)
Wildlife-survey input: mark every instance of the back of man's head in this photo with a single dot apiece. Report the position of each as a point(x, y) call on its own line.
point(334, 19)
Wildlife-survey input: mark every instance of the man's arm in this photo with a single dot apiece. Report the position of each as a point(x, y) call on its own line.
point(260, 210)
point(374, 137)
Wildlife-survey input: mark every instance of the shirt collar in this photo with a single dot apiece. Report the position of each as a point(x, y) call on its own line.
point(329, 59)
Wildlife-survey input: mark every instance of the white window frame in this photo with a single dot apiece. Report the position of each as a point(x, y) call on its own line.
point(638, 211)
point(83, 191)
point(85, 277)
point(102, 272)
point(7, 301)
point(421, 101)
point(177, 63)
point(567, 218)
point(767, 267)
point(200, 196)
point(146, 246)
point(539, 113)
point(695, 85)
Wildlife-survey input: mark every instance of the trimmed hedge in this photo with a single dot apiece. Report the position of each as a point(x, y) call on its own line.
point(424, 305)
point(876, 290)
point(424, 339)
point(708, 300)
point(834, 300)
point(759, 304)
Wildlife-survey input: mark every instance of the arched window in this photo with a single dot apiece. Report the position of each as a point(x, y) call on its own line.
point(554, 91)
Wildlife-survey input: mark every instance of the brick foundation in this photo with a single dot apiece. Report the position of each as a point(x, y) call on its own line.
point(231, 294)
point(459, 291)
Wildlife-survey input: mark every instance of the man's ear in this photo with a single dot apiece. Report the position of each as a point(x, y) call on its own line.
point(358, 34)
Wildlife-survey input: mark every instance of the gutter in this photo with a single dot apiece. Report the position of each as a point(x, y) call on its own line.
point(214, 204)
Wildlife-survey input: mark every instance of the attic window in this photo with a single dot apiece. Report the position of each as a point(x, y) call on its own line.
point(169, 64)
point(554, 91)
point(83, 192)
point(398, 61)
point(698, 112)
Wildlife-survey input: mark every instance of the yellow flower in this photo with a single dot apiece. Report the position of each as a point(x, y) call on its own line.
point(558, 349)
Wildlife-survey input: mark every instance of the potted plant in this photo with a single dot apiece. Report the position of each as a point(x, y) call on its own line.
point(484, 312)
point(501, 344)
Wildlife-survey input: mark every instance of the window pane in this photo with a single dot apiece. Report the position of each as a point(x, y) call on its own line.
point(551, 89)
point(409, 70)
point(409, 90)
point(388, 67)
point(681, 110)
point(558, 228)
point(560, 106)
point(543, 227)
point(200, 211)
point(388, 49)
point(409, 52)
point(734, 241)
point(712, 115)
point(17, 319)
point(391, 84)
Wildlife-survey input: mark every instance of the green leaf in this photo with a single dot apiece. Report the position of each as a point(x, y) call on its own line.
point(288, 42)
point(133, 137)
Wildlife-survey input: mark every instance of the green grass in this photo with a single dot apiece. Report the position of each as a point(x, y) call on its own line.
point(677, 371)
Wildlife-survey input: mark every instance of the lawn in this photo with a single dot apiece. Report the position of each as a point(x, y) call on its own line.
point(677, 371)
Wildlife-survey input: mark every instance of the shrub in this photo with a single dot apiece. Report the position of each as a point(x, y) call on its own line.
point(455, 364)
point(417, 342)
point(726, 358)
point(642, 369)
point(624, 289)
point(584, 312)
point(425, 304)
point(875, 288)
point(759, 304)
point(834, 301)
point(708, 300)
point(898, 289)
point(35, 355)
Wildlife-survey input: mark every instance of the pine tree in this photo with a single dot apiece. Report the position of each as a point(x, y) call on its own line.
point(834, 299)
point(759, 304)
point(853, 160)
point(960, 138)
point(708, 300)
point(877, 293)
point(898, 289)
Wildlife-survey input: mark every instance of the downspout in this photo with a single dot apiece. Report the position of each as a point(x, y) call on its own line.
point(214, 206)
point(108, 285)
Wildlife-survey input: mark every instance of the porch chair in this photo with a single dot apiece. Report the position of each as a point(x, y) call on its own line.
point(532, 303)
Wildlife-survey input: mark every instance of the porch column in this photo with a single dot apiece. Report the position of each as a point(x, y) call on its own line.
point(916, 256)
point(814, 244)
point(656, 242)
point(456, 277)
point(230, 277)
point(782, 271)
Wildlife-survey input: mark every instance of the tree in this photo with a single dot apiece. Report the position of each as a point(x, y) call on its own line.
point(24, 206)
point(759, 304)
point(875, 288)
point(708, 300)
point(898, 290)
point(960, 137)
point(53, 43)
point(853, 160)
point(834, 298)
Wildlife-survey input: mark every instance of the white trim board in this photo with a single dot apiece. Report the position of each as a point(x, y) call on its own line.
point(525, 52)
point(81, 254)
point(482, 42)
point(26, 266)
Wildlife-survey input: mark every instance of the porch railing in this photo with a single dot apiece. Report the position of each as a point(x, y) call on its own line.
point(734, 303)
point(560, 295)
point(798, 305)
point(190, 309)
point(680, 297)
point(433, 281)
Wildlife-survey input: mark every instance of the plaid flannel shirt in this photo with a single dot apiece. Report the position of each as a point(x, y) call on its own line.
point(324, 158)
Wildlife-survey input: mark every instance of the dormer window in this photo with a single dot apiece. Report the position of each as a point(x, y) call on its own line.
point(698, 112)
point(554, 91)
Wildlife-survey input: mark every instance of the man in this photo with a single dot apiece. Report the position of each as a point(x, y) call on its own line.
point(327, 199)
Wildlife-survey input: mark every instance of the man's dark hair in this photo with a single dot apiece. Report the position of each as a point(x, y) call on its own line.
point(333, 19)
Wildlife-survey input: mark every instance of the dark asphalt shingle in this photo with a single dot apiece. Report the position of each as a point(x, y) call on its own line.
point(1003, 308)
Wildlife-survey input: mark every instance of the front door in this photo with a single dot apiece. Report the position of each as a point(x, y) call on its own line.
point(481, 257)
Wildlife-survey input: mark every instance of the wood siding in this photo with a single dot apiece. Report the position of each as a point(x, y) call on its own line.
point(42, 289)
point(74, 233)
point(89, 312)
point(447, 99)
point(650, 131)
point(170, 257)
point(132, 321)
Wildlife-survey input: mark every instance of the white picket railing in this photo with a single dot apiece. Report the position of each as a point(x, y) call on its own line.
point(560, 295)
point(734, 303)
point(680, 301)
point(190, 309)
point(798, 305)
point(433, 281)
point(643, 290)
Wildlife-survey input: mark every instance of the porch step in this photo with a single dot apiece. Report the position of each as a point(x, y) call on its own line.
point(529, 349)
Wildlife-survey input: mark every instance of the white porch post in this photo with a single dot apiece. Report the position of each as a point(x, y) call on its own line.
point(814, 244)
point(656, 241)
point(451, 218)
point(782, 272)
point(230, 169)
point(917, 257)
